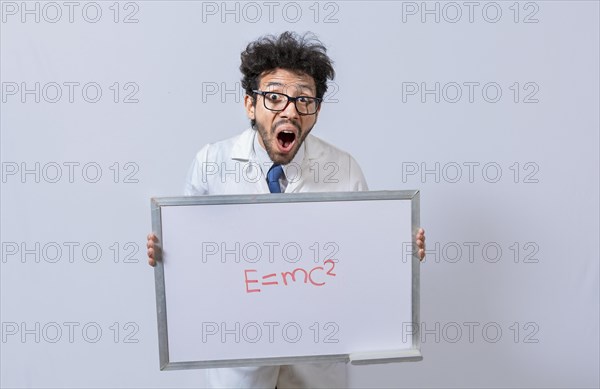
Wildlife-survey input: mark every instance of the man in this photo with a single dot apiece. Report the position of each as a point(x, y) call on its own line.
point(285, 79)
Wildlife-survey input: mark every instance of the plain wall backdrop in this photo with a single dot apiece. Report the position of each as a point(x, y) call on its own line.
point(490, 109)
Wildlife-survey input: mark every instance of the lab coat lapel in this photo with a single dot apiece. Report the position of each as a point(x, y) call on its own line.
point(253, 180)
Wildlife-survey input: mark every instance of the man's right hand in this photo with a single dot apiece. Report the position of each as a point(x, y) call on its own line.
point(153, 248)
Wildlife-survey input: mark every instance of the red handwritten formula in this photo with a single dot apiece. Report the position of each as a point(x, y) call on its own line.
point(317, 276)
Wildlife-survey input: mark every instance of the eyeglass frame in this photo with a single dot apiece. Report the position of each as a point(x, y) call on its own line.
point(289, 99)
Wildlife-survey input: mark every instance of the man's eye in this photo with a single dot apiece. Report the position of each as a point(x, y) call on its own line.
point(274, 97)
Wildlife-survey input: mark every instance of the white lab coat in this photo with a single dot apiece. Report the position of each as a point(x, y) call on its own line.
point(232, 167)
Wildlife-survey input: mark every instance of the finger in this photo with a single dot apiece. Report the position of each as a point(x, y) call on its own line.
point(149, 244)
point(152, 237)
point(420, 244)
point(151, 260)
point(421, 254)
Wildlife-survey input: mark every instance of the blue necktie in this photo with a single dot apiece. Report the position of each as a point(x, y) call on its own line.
point(275, 172)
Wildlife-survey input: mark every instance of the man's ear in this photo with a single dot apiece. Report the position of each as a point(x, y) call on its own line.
point(250, 106)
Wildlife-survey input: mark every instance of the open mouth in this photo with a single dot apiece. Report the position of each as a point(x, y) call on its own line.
point(286, 140)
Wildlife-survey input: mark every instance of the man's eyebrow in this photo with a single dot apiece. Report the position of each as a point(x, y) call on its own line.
point(273, 83)
point(278, 84)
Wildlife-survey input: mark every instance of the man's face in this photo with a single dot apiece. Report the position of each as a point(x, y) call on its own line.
point(282, 133)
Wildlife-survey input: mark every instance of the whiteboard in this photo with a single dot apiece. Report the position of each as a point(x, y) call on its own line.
point(267, 279)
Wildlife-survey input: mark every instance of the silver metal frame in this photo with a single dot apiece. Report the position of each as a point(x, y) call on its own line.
point(413, 354)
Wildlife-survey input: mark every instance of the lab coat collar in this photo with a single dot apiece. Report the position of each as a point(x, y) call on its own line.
point(242, 149)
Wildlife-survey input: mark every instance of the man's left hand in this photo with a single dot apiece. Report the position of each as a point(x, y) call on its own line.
point(421, 243)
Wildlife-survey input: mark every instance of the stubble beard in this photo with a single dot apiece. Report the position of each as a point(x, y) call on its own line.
point(269, 137)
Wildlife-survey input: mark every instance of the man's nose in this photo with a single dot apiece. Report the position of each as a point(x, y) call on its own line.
point(290, 112)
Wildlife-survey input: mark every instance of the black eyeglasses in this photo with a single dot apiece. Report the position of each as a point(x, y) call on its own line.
point(277, 102)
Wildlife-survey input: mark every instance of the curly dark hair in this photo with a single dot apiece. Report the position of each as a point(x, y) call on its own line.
point(298, 53)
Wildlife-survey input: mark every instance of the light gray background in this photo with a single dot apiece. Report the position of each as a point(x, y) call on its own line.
point(546, 309)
